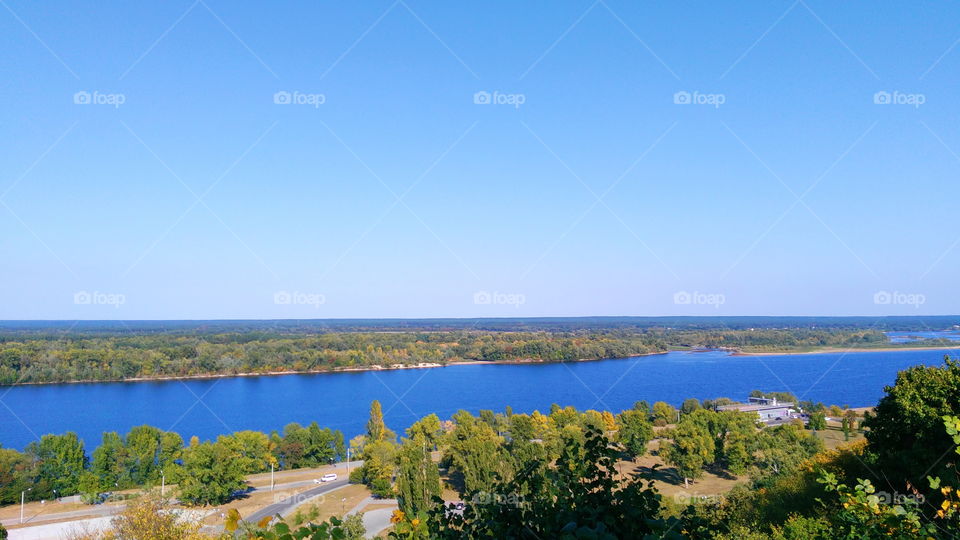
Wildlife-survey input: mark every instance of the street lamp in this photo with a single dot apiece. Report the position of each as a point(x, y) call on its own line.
point(22, 499)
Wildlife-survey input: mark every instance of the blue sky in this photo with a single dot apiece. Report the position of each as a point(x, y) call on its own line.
point(385, 190)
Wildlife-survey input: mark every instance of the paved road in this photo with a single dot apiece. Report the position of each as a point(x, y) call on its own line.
point(85, 512)
point(110, 510)
point(56, 531)
point(288, 503)
point(375, 521)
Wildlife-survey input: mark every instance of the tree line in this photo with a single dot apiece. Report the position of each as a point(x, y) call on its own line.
point(208, 472)
point(30, 357)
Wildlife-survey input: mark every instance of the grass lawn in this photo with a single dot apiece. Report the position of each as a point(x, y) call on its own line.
point(333, 504)
point(667, 482)
point(832, 437)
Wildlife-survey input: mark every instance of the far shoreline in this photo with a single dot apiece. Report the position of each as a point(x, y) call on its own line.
point(430, 365)
point(832, 350)
point(352, 369)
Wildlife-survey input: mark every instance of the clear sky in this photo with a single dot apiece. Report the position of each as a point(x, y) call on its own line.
point(215, 159)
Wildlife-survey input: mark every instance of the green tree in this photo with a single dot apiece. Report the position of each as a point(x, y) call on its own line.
point(418, 479)
point(15, 475)
point(635, 432)
point(108, 462)
point(690, 405)
point(58, 462)
point(376, 429)
point(691, 449)
point(642, 406)
point(906, 431)
point(90, 487)
point(781, 449)
point(664, 412)
point(475, 453)
point(428, 426)
point(210, 474)
point(353, 528)
point(818, 421)
point(378, 466)
point(250, 450)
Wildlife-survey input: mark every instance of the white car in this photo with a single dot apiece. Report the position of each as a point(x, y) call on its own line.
point(330, 477)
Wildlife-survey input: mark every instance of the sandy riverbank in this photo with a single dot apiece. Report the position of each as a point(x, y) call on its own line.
point(828, 350)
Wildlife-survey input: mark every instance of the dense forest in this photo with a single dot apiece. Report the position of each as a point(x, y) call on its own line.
point(40, 353)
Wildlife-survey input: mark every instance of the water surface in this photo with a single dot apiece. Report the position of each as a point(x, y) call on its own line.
point(210, 407)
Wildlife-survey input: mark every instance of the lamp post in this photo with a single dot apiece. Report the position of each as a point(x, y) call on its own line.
point(163, 483)
point(271, 477)
point(23, 495)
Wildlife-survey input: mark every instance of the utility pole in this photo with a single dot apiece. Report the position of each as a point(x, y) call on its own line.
point(163, 483)
point(348, 463)
point(271, 477)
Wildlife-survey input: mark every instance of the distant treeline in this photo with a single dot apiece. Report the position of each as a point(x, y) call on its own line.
point(160, 355)
point(499, 324)
point(29, 357)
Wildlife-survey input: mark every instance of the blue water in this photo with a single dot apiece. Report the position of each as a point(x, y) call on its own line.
point(908, 337)
point(211, 407)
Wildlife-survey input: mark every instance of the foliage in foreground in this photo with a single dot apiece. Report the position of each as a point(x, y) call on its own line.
point(579, 497)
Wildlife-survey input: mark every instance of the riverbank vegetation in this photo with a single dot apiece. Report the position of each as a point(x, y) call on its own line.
point(51, 356)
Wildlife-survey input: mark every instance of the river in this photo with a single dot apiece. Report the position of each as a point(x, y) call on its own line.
point(209, 407)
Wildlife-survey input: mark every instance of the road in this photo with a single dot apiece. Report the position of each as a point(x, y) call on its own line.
point(375, 521)
point(289, 503)
point(93, 511)
point(110, 510)
point(61, 530)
